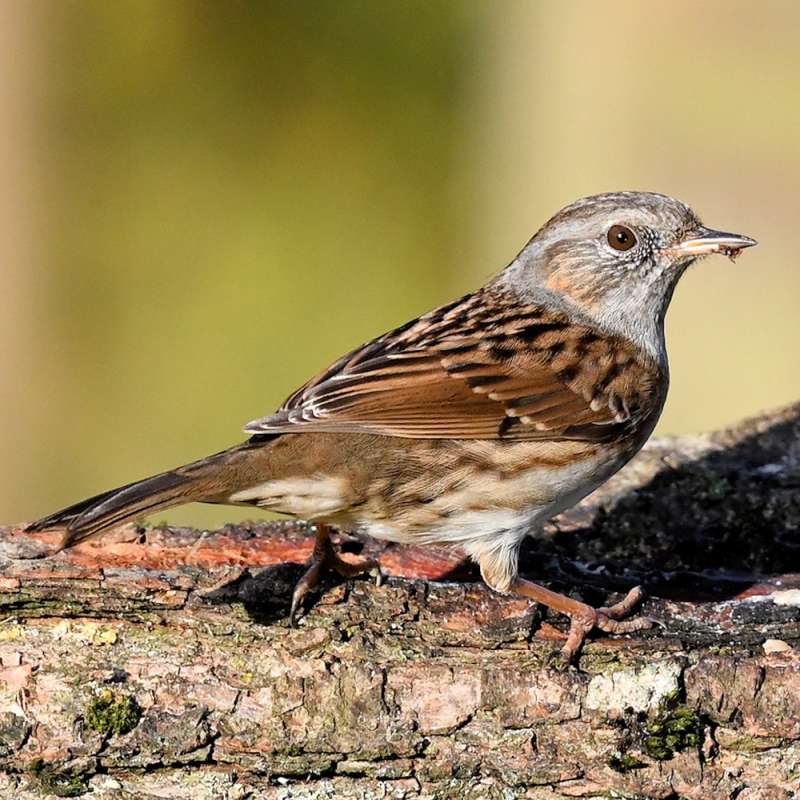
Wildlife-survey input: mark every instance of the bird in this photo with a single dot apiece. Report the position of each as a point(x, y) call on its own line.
point(475, 423)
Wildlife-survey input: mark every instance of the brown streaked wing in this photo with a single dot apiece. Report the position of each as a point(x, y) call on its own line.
point(484, 367)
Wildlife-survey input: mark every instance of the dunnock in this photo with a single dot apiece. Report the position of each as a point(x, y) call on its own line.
point(475, 423)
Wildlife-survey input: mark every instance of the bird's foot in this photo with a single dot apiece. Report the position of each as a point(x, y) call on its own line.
point(583, 618)
point(325, 557)
point(610, 619)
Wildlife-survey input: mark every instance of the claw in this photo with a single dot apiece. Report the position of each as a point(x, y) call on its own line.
point(324, 556)
point(555, 660)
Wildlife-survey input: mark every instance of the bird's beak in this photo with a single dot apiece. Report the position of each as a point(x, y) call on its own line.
point(703, 241)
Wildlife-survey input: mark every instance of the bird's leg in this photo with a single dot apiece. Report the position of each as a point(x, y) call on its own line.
point(584, 618)
point(324, 556)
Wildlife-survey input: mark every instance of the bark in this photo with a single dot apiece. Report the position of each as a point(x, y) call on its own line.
point(158, 663)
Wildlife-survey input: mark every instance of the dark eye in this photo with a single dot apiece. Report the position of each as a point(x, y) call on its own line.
point(621, 238)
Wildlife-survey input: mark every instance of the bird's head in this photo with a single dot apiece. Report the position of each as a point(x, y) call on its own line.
point(616, 258)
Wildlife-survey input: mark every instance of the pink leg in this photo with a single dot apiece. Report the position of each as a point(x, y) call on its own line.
point(324, 556)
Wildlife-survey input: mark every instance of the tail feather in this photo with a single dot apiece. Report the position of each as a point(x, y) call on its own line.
point(151, 494)
point(62, 518)
point(207, 479)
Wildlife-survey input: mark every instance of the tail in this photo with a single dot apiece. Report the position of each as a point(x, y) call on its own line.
point(211, 479)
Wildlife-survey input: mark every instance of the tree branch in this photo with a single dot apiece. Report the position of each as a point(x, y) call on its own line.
point(159, 660)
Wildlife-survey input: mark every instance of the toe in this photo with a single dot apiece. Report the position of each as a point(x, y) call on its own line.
point(351, 569)
point(579, 628)
point(307, 582)
point(293, 609)
point(626, 605)
point(604, 623)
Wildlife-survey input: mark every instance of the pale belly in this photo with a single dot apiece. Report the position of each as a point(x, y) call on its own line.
point(478, 492)
point(509, 507)
point(481, 496)
point(469, 494)
point(489, 520)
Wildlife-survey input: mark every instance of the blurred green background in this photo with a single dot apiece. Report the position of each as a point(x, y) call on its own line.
point(204, 203)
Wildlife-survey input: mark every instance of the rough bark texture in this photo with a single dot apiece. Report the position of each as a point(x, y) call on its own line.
point(159, 664)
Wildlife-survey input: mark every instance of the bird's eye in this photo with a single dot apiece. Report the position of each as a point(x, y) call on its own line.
point(621, 238)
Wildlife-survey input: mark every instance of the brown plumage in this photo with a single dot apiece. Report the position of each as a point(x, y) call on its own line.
point(475, 423)
point(485, 367)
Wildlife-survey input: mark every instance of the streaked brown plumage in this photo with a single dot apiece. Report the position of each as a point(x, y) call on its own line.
point(475, 423)
point(485, 367)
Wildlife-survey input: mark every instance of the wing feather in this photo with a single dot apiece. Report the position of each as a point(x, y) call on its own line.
point(485, 367)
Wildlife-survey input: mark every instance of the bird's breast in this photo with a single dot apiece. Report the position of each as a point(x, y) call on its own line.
point(487, 489)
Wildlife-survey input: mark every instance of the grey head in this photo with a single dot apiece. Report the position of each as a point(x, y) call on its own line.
point(615, 259)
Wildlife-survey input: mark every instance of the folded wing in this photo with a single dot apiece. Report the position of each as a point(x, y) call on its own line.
point(484, 367)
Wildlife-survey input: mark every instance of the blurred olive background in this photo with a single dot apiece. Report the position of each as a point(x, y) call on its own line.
point(203, 203)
